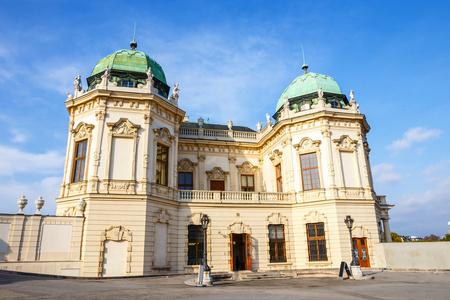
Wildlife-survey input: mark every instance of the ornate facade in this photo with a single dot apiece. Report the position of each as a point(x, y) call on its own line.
point(139, 176)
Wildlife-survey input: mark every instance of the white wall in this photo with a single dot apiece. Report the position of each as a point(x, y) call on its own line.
point(420, 255)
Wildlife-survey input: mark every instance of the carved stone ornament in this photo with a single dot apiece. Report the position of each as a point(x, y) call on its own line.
point(185, 165)
point(116, 234)
point(276, 157)
point(163, 136)
point(22, 202)
point(345, 143)
point(307, 145)
point(276, 218)
point(162, 216)
point(217, 174)
point(239, 228)
point(315, 217)
point(82, 131)
point(247, 168)
point(123, 128)
point(81, 204)
point(39, 203)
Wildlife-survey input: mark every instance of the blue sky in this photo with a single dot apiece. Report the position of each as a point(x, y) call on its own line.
point(232, 60)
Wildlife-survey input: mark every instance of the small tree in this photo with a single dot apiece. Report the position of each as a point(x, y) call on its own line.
point(431, 238)
point(396, 238)
point(446, 237)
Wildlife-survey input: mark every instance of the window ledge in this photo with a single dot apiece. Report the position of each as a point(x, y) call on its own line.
point(279, 264)
point(319, 264)
point(161, 267)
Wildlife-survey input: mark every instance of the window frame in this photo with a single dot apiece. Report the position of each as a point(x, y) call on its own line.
point(79, 169)
point(184, 185)
point(308, 183)
point(317, 243)
point(161, 163)
point(247, 188)
point(279, 179)
point(276, 243)
point(197, 243)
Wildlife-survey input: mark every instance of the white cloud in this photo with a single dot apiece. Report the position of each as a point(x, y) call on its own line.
point(384, 173)
point(440, 166)
point(14, 161)
point(48, 188)
point(414, 135)
point(18, 137)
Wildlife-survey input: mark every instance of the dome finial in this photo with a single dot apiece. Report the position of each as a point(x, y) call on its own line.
point(133, 43)
point(305, 66)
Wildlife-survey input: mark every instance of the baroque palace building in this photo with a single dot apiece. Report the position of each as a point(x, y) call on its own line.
point(139, 176)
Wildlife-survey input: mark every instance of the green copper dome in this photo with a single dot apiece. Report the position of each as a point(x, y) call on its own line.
point(308, 84)
point(130, 61)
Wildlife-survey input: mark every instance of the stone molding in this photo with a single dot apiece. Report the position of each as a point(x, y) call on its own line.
point(239, 228)
point(276, 157)
point(163, 136)
point(217, 174)
point(307, 145)
point(345, 143)
point(115, 234)
point(82, 131)
point(123, 128)
point(247, 168)
point(186, 165)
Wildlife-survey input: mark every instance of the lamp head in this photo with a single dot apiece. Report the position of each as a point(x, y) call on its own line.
point(349, 221)
point(205, 221)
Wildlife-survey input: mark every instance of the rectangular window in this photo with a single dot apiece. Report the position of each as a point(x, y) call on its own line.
point(162, 164)
point(195, 244)
point(310, 171)
point(185, 181)
point(247, 183)
point(277, 244)
point(79, 161)
point(279, 178)
point(317, 246)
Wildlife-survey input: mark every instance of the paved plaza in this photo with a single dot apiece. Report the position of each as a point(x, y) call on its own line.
point(386, 285)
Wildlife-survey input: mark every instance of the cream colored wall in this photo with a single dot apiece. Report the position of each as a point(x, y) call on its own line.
point(32, 240)
point(413, 255)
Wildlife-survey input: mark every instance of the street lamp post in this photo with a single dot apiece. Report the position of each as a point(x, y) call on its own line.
point(349, 222)
point(207, 279)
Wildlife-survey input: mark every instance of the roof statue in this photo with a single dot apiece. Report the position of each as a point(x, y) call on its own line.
point(230, 124)
point(352, 95)
point(268, 118)
point(320, 92)
point(259, 126)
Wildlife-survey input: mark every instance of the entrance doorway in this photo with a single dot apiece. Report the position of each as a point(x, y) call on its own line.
point(361, 253)
point(241, 258)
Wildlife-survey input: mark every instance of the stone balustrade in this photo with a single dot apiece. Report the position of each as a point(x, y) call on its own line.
point(234, 197)
point(216, 134)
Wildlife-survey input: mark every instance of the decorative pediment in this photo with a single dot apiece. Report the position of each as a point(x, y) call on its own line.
point(217, 174)
point(276, 157)
point(307, 145)
point(82, 131)
point(345, 143)
point(116, 234)
point(162, 216)
point(247, 168)
point(276, 218)
point(239, 228)
point(360, 232)
point(194, 219)
point(186, 165)
point(163, 135)
point(123, 128)
point(315, 217)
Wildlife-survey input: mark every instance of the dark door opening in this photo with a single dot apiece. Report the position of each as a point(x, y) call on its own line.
point(240, 252)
